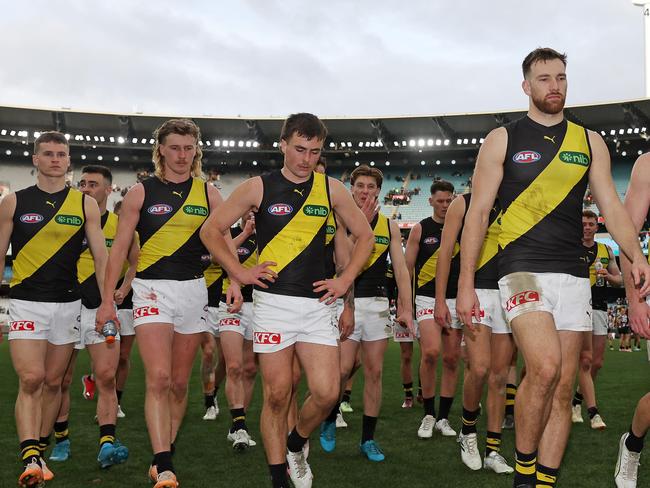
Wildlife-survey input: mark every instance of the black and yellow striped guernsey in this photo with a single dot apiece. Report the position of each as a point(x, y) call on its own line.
point(545, 176)
point(426, 262)
point(330, 231)
point(372, 280)
point(213, 280)
point(598, 293)
point(247, 253)
point(486, 276)
point(170, 221)
point(48, 229)
point(291, 227)
point(90, 295)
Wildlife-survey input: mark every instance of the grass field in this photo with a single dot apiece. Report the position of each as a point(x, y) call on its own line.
point(204, 458)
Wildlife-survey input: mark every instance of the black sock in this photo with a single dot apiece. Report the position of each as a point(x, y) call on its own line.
point(29, 451)
point(634, 443)
point(511, 392)
point(106, 434)
point(470, 417)
point(525, 468)
point(492, 442)
point(172, 447)
point(163, 461)
point(119, 396)
point(295, 442)
point(43, 444)
point(61, 431)
point(444, 407)
point(208, 400)
point(238, 419)
point(332, 415)
point(546, 477)
point(429, 406)
point(408, 389)
point(577, 399)
point(279, 475)
point(592, 411)
point(346, 396)
point(368, 428)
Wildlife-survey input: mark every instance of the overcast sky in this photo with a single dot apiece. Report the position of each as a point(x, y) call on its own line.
point(334, 57)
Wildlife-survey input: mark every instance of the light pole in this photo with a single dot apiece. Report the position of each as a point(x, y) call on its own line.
point(645, 5)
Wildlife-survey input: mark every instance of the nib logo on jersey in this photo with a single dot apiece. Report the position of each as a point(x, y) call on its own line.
point(526, 157)
point(280, 209)
point(160, 209)
point(573, 157)
point(267, 338)
point(521, 298)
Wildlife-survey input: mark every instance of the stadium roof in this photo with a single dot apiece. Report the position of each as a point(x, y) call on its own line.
point(243, 140)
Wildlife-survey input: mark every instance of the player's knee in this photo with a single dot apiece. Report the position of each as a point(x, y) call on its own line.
point(430, 356)
point(324, 397)
point(450, 361)
point(234, 370)
point(276, 398)
point(480, 371)
point(372, 373)
point(105, 378)
point(497, 379)
point(250, 370)
point(32, 381)
point(159, 382)
point(596, 364)
point(545, 376)
point(123, 362)
point(585, 361)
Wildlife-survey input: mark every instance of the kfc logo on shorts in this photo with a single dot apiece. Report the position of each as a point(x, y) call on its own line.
point(431, 240)
point(21, 326)
point(521, 298)
point(31, 218)
point(230, 322)
point(424, 311)
point(280, 209)
point(267, 338)
point(160, 209)
point(145, 312)
point(402, 335)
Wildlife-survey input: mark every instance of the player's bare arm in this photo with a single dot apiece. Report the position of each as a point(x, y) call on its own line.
point(402, 278)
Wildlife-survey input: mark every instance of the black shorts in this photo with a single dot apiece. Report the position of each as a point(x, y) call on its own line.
point(624, 330)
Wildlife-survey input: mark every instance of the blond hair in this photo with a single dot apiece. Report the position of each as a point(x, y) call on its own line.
point(183, 127)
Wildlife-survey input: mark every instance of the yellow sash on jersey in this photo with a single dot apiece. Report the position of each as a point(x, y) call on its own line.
point(428, 269)
point(491, 243)
point(178, 229)
point(86, 264)
point(382, 240)
point(247, 264)
point(50, 239)
point(296, 236)
point(212, 274)
point(603, 254)
point(550, 188)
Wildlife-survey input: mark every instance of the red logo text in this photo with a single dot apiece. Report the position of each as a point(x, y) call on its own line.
point(145, 312)
point(267, 338)
point(21, 325)
point(521, 298)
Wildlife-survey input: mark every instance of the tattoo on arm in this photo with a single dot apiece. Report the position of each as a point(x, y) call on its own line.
point(348, 298)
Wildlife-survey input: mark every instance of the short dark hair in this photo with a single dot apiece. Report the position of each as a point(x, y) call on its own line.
point(305, 125)
point(99, 169)
point(365, 170)
point(441, 185)
point(541, 54)
point(590, 214)
point(50, 136)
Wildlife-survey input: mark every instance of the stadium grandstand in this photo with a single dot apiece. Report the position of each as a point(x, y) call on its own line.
point(411, 151)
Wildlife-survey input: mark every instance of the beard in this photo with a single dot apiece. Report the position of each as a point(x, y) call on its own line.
point(550, 107)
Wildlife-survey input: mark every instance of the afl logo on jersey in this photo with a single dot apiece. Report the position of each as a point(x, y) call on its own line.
point(160, 209)
point(280, 209)
point(431, 240)
point(525, 157)
point(242, 251)
point(31, 218)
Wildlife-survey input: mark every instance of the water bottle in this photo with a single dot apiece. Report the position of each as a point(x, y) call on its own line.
point(598, 266)
point(109, 331)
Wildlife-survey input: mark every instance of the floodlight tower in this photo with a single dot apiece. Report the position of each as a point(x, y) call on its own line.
point(645, 6)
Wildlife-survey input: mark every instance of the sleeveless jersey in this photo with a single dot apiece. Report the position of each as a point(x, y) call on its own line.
point(247, 253)
point(545, 176)
point(170, 220)
point(291, 228)
point(48, 229)
point(372, 280)
point(90, 294)
point(598, 293)
point(486, 276)
point(330, 231)
point(427, 261)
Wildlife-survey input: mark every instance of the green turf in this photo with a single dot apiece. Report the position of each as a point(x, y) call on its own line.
point(205, 459)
